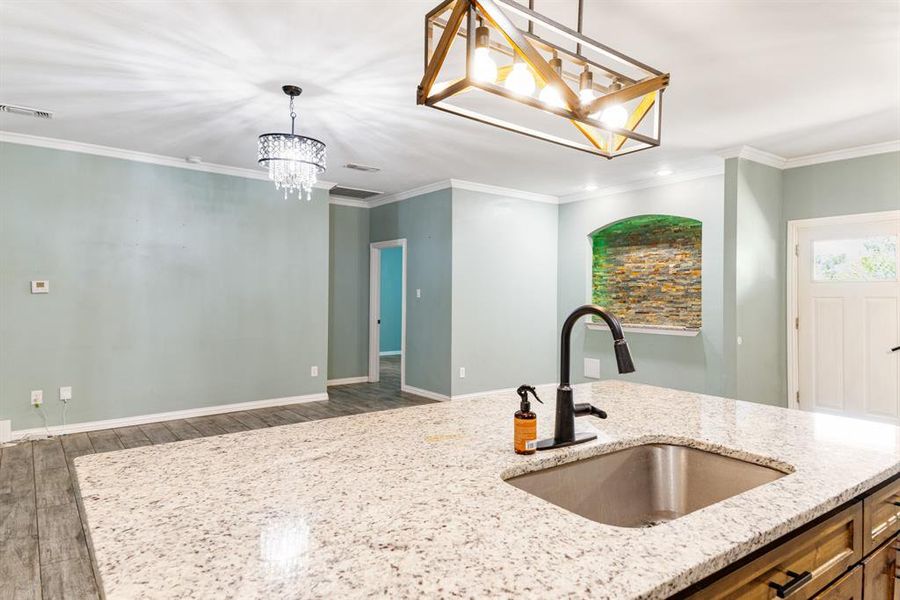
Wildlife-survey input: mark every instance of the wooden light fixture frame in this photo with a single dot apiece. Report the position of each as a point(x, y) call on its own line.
point(526, 45)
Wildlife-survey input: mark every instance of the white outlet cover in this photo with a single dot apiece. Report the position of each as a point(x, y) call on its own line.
point(37, 397)
point(418, 293)
point(592, 368)
point(314, 372)
point(65, 393)
point(5, 431)
point(40, 286)
point(462, 372)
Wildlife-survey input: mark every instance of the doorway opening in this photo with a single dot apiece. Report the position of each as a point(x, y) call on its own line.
point(387, 313)
point(843, 298)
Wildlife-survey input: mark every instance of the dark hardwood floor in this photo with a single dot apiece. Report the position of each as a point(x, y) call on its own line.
point(43, 553)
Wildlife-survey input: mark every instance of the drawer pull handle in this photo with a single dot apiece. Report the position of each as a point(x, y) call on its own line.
point(797, 581)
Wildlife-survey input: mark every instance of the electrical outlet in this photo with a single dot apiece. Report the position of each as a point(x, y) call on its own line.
point(592, 368)
point(462, 372)
point(65, 393)
point(418, 293)
point(37, 397)
point(314, 372)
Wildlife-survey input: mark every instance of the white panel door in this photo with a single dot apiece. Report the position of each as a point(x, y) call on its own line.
point(848, 288)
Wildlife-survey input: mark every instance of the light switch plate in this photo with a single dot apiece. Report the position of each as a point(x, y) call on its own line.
point(65, 393)
point(592, 368)
point(462, 372)
point(418, 293)
point(314, 372)
point(40, 286)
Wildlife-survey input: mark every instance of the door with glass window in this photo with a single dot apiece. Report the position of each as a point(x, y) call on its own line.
point(848, 316)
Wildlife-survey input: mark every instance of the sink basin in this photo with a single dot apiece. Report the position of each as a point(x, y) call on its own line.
point(644, 485)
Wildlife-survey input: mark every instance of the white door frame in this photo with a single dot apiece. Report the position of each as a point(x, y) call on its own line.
point(794, 229)
point(375, 307)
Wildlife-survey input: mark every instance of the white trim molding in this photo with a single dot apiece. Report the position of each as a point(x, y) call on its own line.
point(375, 249)
point(390, 353)
point(780, 162)
point(424, 393)
point(144, 157)
point(167, 416)
point(347, 380)
point(653, 329)
point(342, 201)
point(511, 390)
point(462, 184)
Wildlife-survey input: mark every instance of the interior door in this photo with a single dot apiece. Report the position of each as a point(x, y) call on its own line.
point(849, 318)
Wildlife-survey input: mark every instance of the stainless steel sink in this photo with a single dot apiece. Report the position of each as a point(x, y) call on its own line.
point(644, 485)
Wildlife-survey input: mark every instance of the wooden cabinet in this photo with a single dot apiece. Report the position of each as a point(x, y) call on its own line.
point(801, 566)
point(878, 572)
point(881, 515)
point(848, 587)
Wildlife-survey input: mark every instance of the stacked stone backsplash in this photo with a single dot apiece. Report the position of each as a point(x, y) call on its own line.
point(646, 270)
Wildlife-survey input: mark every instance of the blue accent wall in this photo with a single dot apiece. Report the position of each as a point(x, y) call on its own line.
point(391, 299)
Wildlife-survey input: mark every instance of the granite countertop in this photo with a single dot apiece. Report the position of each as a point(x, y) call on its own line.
point(411, 502)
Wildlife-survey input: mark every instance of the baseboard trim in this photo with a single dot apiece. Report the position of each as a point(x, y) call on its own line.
point(347, 380)
point(167, 416)
point(390, 353)
point(5, 431)
point(511, 390)
point(424, 393)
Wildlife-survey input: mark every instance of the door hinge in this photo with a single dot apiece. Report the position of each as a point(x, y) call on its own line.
point(796, 322)
point(796, 249)
point(798, 397)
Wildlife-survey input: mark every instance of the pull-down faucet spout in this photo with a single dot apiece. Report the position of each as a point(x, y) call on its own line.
point(566, 409)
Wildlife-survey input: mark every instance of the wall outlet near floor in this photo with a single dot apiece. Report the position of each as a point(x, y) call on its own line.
point(592, 368)
point(65, 393)
point(462, 372)
point(37, 397)
point(314, 372)
point(418, 293)
point(40, 286)
point(5, 431)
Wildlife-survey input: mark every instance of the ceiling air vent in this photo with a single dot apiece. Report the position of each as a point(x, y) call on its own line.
point(359, 167)
point(26, 111)
point(348, 192)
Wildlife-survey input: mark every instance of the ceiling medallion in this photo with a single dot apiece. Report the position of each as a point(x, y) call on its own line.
point(294, 161)
point(613, 103)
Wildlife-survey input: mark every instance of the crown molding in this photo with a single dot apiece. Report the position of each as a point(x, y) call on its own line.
point(342, 201)
point(643, 184)
point(144, 157)
point(756, 155)
point(779, 162)
point(857, 152)
point(462, 184)
point(473, 186)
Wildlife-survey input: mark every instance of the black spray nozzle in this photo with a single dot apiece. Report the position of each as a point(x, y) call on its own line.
point(623, 357)
point(523, 391)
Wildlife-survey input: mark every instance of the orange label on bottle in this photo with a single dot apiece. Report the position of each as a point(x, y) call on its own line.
point(525, 435)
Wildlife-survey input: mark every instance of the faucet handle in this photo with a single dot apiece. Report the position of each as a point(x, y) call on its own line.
point(583, 409)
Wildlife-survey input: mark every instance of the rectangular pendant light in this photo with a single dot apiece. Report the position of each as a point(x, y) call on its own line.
point(553, 82)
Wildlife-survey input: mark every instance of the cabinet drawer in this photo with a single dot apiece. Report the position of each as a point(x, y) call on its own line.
point(881, 515)
point(848, 587)
point(878, 572)
point(801, 566)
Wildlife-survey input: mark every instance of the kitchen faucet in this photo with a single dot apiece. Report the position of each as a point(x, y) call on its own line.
point(566, 410)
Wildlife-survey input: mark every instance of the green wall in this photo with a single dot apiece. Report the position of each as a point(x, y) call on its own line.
point(691, 363)
point(857, 185)
point(755, 238)
point(169, 288)
point(425, 222)
point(348, 297)
point(504, 292)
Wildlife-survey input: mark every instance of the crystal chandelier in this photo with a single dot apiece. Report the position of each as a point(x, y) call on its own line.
point(294, 161)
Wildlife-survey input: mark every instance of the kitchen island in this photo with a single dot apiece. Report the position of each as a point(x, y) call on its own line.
point(412, 502)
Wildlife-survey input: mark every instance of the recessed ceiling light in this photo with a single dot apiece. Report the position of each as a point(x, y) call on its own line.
point(590, 187)
point(664, 172)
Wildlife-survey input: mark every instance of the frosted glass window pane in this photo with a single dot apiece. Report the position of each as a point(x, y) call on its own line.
point(861, 259)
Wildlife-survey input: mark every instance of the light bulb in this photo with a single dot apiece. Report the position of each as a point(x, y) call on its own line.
point(551, 97)
point(520, 80)
point(586, 95)
point(483, 66)
point(614, 116)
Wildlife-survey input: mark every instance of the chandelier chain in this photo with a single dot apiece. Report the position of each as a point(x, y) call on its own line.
point(293, 115)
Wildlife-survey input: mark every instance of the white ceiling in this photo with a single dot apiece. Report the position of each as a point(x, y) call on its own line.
point(180, 78)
